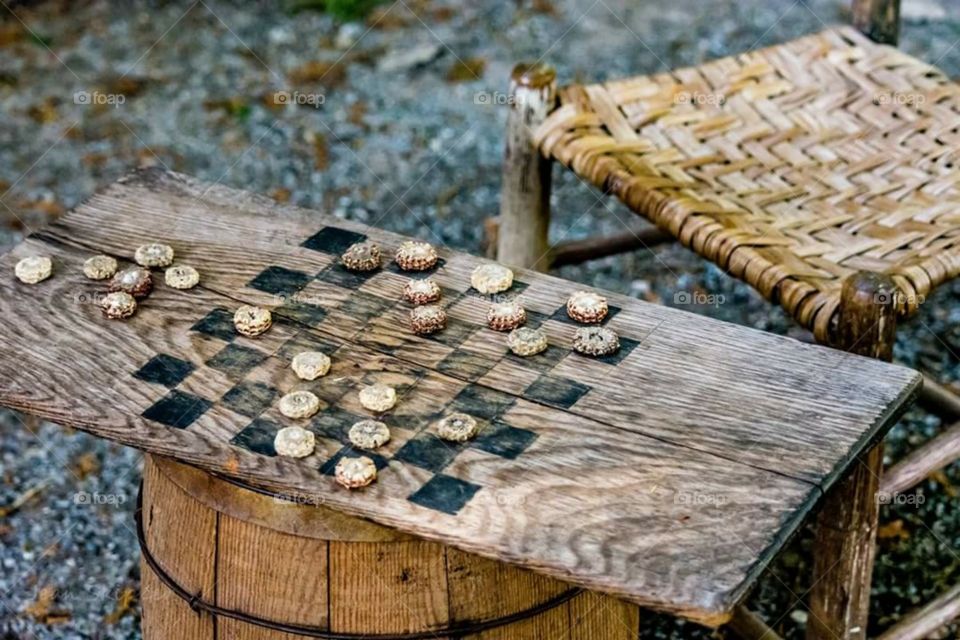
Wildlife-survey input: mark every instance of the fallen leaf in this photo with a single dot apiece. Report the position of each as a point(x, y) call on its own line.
point(10, 33)
point(44, 112)
point(893, 529)
point(43, 609)
point(321, 153)
point(280, 194)
point(126, 601)
point(356, 113)
point(466, 70)
point(943, 480)
point(329, 74)
point(85, 465)
point(545, 7)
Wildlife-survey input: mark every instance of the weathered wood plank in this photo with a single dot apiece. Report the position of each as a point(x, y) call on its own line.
point(726, 430)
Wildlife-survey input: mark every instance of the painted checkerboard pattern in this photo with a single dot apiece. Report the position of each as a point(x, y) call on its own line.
point(360, 320)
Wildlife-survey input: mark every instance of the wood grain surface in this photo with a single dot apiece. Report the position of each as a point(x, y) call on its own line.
point(668, 475)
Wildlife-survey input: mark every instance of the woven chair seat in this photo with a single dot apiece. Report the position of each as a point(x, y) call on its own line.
point(791, 167)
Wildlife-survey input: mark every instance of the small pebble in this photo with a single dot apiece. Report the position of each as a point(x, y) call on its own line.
point(369, 434)
point(354, 473)
point(299, 404)
point(294, 442)
point(33, 269)
point(154, 255)
point(491, 278)
point(310, 365)
point(100, 267)
point(378, 397)
point(182, 277)
point(118, 305)
point(252, 321)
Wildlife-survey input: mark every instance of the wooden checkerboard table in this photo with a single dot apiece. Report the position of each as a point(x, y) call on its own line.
point(666, 476)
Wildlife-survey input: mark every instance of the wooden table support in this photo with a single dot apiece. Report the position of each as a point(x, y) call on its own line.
point(525, 197)
point(847, 522)
point(303, 564)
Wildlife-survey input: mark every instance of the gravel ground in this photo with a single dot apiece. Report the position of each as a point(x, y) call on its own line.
point(395, 121)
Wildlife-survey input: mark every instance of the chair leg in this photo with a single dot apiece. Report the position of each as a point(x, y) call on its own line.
point(879, 20)
point(847, 522)
point(525, 195)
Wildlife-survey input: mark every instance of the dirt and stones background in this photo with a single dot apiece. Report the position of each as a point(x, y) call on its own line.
point(395, 119)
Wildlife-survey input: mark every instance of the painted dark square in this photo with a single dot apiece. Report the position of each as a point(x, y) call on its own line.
point(364, 306)
point(258, 437)
point(482, 402)
point(627, 345)
point(166, 370)
point(429, 452)
point(455, 334)
point(535, 319)
point(250, 398)
point(414, 422)
point(543, 362)
point(177, 409)
point(334, 424)
point(280, 281)
point(444, 493)
point(392, 267)
point(515, 289)
point(328, 467)
point(504, 440)
point(218, 324)
point(337, 275)
point(303, 312)
point(333, 240)
point(561, 315)
point(555, 391)
point(235, 360)
point(466, 365)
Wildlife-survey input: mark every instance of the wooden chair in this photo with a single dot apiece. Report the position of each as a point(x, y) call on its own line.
point(823, 172)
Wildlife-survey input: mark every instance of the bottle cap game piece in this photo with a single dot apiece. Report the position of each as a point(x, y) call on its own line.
point(596, 341)
point(299, 404)
point(421, 291)
point(505, 316)
point(587, 307)
point(154, 255)
point(362, 256)
point(118, 305)
point(33, 269)
point(100, 267)
point(369, 434)
point(136, 281)
point(491, 278)
point(428, 319)
point(457, 427)
point(181, 277)
point(354, 473)
point(294, 442)
point(251, 321)
point(378, 397)
point(310, 365)
point(527, 342)
point(413, 255)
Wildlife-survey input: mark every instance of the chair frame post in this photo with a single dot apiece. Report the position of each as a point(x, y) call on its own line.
point(847, 522)
point(879, 20)
point(525, 196)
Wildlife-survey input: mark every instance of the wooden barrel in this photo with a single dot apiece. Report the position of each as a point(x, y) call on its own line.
point(308, 566)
